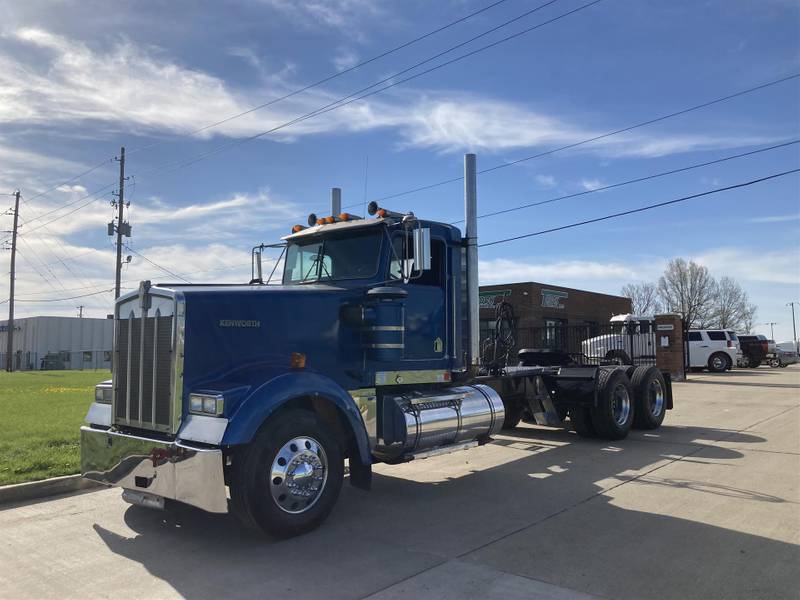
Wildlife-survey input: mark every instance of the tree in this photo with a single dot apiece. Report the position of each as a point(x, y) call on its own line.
point(644, 297)
point(731, 307)
point(687, 288)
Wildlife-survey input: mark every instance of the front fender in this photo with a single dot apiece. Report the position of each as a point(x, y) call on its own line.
point(270, 396)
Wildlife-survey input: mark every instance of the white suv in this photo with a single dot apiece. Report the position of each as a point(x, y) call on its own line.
point(712, 349)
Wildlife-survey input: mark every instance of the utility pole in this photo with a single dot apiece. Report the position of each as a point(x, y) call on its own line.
point(10, 336)
point(80, 311)
point(771, 330)
point(794, 329)
point(122, 228)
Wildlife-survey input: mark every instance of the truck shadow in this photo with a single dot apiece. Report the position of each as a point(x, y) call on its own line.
point(543, 504)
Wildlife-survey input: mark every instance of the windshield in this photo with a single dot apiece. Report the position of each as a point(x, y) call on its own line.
point(332, 259)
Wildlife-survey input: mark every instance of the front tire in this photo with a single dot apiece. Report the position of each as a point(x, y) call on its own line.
point(649, 391)
point(289, 478)
point(719, 362)
point(613, 415)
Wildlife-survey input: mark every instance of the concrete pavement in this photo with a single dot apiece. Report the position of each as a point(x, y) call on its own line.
point(708, 506)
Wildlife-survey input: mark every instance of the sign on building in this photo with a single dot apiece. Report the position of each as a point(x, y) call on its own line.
point(554, 299)
point(488, 299)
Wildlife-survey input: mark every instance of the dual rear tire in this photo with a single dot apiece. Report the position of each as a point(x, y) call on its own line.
point(623, 403)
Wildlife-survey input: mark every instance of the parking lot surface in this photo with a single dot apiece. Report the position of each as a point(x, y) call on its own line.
point(708, 506)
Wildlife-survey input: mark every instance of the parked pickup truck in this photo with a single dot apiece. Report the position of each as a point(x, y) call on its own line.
point(754, 350)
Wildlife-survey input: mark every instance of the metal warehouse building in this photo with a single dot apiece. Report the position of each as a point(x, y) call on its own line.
point(47, 343)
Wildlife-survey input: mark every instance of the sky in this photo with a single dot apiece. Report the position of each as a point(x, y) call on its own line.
point(78, 80)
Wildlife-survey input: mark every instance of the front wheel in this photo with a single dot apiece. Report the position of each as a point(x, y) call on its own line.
point(719, 362)
point(288, 479)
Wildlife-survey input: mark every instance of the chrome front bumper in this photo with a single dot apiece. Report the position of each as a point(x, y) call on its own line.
point(166, 469)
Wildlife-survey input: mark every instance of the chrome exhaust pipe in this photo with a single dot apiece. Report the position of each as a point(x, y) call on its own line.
point(471, 238)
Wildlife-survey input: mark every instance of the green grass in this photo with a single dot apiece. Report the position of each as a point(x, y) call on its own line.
point(40, 416)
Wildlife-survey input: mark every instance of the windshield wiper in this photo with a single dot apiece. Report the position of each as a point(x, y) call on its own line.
point(318, 260)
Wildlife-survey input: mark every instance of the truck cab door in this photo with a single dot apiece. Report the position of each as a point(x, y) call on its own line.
point(426, 336)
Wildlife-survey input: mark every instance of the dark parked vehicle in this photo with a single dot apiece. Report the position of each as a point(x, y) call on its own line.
point(754, 349)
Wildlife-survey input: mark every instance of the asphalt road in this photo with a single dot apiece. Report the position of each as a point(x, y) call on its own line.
point(708, 506)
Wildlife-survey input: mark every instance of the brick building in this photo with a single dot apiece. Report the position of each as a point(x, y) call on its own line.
point(544, 305)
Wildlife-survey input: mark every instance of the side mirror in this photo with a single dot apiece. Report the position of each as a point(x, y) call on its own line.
point(422, 249)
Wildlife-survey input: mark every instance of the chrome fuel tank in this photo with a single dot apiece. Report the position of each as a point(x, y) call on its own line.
point(416, 421)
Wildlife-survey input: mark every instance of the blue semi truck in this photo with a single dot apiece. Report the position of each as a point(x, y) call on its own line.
point(250, 398)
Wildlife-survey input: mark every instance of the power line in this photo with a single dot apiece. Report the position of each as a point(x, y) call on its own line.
point(271, 102)
point(343, 101)
point(155, 264)
point(91, 196)
point(61, 299)
point(71, 179)
point(630, 181)
point(598, 137)
point(332, 76)
point(641, 209)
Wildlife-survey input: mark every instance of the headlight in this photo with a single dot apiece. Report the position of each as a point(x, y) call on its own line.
point(206, 404)
point(102, 394)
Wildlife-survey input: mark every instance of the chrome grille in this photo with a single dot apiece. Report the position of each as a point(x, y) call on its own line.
point(142, 376)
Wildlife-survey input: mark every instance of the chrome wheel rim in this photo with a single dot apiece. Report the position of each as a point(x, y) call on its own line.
point(298, 475)
point(656, 398)
point(718, 362)
point(621, 404)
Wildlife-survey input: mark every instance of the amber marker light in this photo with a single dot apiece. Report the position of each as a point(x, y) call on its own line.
point(320, 221)
point(344, 217)
point(381, 213)
point(298, 360)
point(330, 220)
point(297, 228)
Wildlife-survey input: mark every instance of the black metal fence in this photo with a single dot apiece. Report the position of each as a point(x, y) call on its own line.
point(626, 342)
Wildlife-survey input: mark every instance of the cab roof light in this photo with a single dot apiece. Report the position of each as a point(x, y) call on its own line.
point(297, 228)
point(330, 219)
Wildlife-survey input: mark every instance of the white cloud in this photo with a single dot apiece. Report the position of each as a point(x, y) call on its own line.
point(591, 184)
point(65, 82)
point(546, 181)
point(248, 55)
point(568, 272)
point(775, 219)
point(345, 59)
point(772, 266)
point(337, 14)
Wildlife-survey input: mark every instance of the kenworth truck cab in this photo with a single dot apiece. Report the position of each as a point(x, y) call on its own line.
point(249, 398)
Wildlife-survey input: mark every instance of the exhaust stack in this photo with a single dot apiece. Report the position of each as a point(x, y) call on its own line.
point(336, 201)
point(471, 237)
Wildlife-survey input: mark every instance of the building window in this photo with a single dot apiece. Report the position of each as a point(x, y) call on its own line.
point(107, 356)
point(87, 356)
